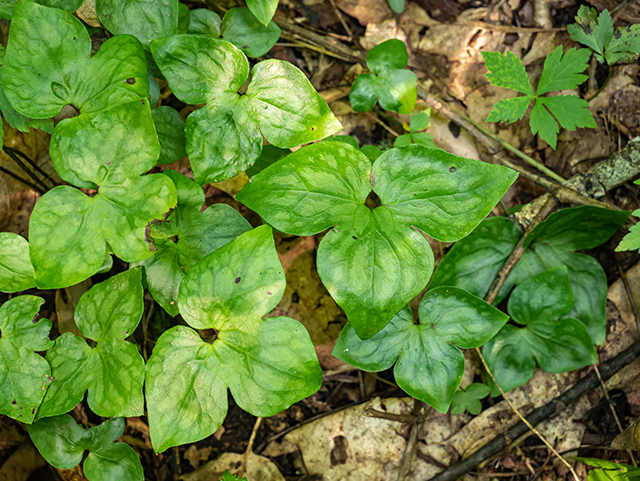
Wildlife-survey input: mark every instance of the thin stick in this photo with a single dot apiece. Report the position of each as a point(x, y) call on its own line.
point(341, 18)
point(398, 418)
point(249, 450)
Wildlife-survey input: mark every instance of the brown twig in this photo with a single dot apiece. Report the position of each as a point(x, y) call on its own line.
point(249, 450)
point(398, 418)
point(412, 443)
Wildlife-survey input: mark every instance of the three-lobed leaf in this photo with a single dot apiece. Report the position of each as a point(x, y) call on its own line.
point(468, 399)
point(113, 370)
point(429, 366)
point(224, 137)
point(373, 261)
point(24, 375)
point(267, 364)
point(63, 443)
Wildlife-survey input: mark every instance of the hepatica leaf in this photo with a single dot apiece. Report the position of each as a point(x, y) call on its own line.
point(474, 261)
point(224, 137)
point(268, 364)
point(16, 272)
point(113, 370)
point(558, 345)
point(204, 22)
point(373, 261)
point(241, 28)
point(263, 9)
point(62, 444)
point(24, 374)
point(429, 366)
point(170, 128)
point(469, 399)
point(389, 84)
point(185, 238)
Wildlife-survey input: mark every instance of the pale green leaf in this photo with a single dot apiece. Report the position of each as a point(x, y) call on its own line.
point(16, 272)
point(420, 121)
point(24, 374)
point(242, 28)
point(397, 90)
point(563, 72)
point(510, 110)
point(113, 370)
point(624, 45)
point(263, 10)
point(507, 71)
point(631, 241)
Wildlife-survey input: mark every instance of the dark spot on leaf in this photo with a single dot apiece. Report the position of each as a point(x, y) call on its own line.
point(238, 279)
point(21, 407)
point(269, 293)
point(452, 169)
point(131, 81)
point(433, 326)
point(142, 101)
point(74, 38)
point(313, 128)
point(261, 273)
point(14, 402)
point(245, 46)
point(33, 410)
point(354, 237)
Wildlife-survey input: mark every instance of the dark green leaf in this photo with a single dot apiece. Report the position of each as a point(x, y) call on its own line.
point(112, 371)
point(591, 30)
point(270, 155)
point(204, 22)
point(170, 129)
point(570, 111)
point(364, 94)
point(563, 72)
point(389, 55)
point(469, 399)
point(16, 272)
point(268, 364)
point(184, 19)
point(24, 374)
point(429, 365)
point(241, 28)
point(371, 151)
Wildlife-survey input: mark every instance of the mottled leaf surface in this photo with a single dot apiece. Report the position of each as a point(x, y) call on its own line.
point(62, 443)
point(558, 345)
point(429, 366)
point(24, 374)
point(373, 261)
point(112, 370)
point(267, 364)
point(16, 272)
point(185, 238)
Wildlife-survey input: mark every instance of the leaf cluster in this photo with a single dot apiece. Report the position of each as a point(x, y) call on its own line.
point(417, 124)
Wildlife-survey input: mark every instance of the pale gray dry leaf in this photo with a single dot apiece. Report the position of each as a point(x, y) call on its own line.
point(259, 468)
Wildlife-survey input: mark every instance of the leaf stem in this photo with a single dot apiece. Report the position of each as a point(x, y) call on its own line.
point(603, 85)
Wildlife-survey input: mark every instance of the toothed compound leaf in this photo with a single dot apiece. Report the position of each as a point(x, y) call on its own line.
point(373, 261)
point(267, 364)
point(469, 399)
point(570, 111)
point(144, 19)
point(391, 85)
point(542, 122)
point(185, 238)
point(204, 22)
point(244, 30)
point(224, 138)
point(510, 110)
point(507, 71)
point(62, 443)
point(16, 272)
point(625, 44)
point(609, 470)
point(631, 241)
point(24, 375)
point(429, 366)
point(227, 476)
point(170, 128)
point(563, 72)
point(473, 262)
point(420, 121)
point(263, 10)
point(113, 370)
point(558, 345)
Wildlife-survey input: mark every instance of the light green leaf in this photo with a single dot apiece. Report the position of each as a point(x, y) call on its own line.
point(69, 230)
point(397, 5)
point(227, 476)
point(24, 374)
point(420, 121)
point(197, 234)
point(144, 19)
point(204, 22)
point(443, 195)
point(570, 111)
point(263, 10)
point(469, 399)
point(473, 262)
point(425, 139)
point(631, 241)
point(591, 30)
point(62, 443)
point(170, 128)
point(557, 345)
point(542, 122)
point(507, 71)
point(402, 140)
point(389, 55)
point(397, 90)
point(16, 272)
point(510, 110)
point(429, 365)
point(241, 28)
point(268, 364)
point(113, 370)
point(563, 72)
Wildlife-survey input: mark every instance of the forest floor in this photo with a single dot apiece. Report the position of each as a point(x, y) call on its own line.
point(327, 436)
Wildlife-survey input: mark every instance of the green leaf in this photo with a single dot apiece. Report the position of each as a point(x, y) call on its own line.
point(170, 128)
point(420, 121)
point(24, 374)
point(227, 476)
point(371, 151)
point(590, 30)
point(429, 365)
point(507, 71)
point(113, 370)
point(557, 345)
point(382, 242)
point(624, 45)
point(570, 111)
point(397, 5)
point(542, 122)
point(423, 138)
point(263, 10)
point(144, 19)
point(268, 364)
point(563, 72)
point(402, 140)
point(270, 155)
point(184, 18)
point(197, 234)
point(343, 138)
point(469, 399)
point(204, 22)
point(16, 272)
point(610, 471)
point(224, 137)
point(474, 262)
point(631, 241)
point(242, 28)
point(62, 444)
point(510, 110)
point(392, 86)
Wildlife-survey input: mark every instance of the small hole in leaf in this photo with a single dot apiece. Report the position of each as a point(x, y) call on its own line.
point(452, 169)
point(132, 81)
point(208, 335)
point(354, 237)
